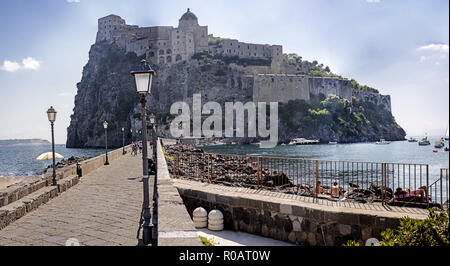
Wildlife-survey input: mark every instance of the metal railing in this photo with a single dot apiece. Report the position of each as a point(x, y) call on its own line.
point(439, 190)
point(400, 184)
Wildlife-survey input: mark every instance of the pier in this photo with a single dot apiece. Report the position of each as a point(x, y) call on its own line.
point(103, 206)
point(102, 209)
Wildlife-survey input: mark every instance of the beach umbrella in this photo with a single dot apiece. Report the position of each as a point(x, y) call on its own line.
point(48, 156)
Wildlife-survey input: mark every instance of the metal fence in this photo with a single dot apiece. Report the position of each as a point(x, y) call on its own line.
point(439, 190)
point(394, 183)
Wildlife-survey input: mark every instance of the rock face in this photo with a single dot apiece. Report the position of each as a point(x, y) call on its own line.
point(107, 92)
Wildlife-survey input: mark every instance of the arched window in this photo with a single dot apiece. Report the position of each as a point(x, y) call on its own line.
point(161, 59)
point(178, 58)
point(169, 59)
point(151, 54)
point(169, 51)
point(161, 52)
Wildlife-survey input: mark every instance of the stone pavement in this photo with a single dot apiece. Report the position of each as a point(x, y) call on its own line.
point(102, 210)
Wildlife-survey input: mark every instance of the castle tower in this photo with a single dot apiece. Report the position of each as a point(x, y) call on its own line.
point(188, 21)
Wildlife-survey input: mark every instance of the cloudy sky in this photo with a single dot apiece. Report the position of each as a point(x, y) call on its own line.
point(400, 47)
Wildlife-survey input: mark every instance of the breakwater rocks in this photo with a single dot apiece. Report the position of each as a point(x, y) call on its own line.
point(189, 162)
point(234, 171)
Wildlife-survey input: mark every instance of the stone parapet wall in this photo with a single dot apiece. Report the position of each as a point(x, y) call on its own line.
point(284, 219)
point(23, 197)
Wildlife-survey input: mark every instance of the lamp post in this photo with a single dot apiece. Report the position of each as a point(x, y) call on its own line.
point(143, 78)
point(123, 141)
point(105, 125)
point(155, 188)
point(154, 137)
point(51, 114)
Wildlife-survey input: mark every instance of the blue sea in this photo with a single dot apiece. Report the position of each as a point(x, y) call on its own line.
point(20, 160)
point(396, 152)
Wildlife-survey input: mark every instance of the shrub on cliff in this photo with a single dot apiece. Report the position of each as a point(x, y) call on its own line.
point(345, 119)
point(433, 231)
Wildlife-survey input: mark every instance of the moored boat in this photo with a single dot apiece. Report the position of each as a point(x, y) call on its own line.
point(446, 135)
point(424, 142)
point(303, 141)
point(412, 140)
point(383, 142)
point(439, 144)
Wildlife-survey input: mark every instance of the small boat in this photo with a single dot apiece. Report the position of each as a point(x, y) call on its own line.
point(446, 149)
point(446, 135)
point(412, 140)
point(439, 144)
point(424, 142)
point(332, 143)
point(383, 142)
point(303, 141)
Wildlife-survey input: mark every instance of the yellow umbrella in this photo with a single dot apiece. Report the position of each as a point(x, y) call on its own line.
point(48, 156)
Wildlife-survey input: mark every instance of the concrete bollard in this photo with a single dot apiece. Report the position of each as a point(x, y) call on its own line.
point(200, 218)
point(215, 220)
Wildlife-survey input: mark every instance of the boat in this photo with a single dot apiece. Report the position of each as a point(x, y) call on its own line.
point(439, 144)
point(383, 142)
point(412, 140)
point(303, 141)
point(424, 142)
point(332, 143)
point(446, 149)
point(446, 135)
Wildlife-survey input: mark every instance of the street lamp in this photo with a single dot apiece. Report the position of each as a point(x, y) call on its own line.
point(123, 141)
point(143, 78)
point(105, 125)
point(51, 114)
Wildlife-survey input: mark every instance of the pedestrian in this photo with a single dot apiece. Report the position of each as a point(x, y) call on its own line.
point(134, 149)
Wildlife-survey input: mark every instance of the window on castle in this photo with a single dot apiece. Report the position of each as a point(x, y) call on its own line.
point(169, 51)
point(151, 54)
point(178, 58)
point(161, 59)
point(161, 52)
point(169, 59)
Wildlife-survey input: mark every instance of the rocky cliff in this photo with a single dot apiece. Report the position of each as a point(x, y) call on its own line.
point(107, 92)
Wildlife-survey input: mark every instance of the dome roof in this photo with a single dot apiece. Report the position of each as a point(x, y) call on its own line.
point(189, 16)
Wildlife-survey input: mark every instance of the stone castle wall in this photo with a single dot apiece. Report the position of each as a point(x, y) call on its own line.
point(167, 45)
point(283, 88)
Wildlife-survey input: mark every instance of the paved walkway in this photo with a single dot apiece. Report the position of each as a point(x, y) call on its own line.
point(234, 239)
point(102, 210)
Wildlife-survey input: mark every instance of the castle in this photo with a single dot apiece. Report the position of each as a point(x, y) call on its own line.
point(168, 45)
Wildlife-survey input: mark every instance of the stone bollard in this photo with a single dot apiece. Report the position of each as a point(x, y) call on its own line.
point(215, 220)
point(200, 218)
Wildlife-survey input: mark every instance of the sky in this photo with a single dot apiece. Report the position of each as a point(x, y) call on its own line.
point(400, 47)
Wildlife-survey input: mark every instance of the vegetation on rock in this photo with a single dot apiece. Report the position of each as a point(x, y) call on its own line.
point(338, 117)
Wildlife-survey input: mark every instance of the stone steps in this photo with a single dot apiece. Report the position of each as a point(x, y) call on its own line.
point(32, 201)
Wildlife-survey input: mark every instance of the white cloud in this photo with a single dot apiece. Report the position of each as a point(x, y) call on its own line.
point(31, 63)
point(73, 1)
point(436, 53)
point(10, 66)
point(373, 1)
point(444, 48)
point(27, 63)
